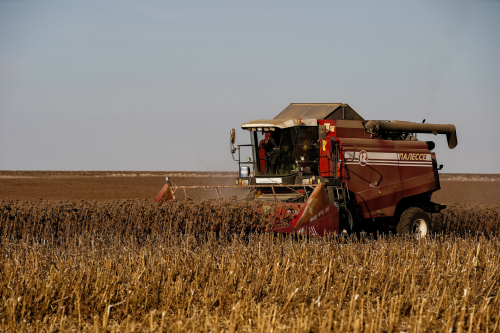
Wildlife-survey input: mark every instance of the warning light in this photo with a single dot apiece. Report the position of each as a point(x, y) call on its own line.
point(299, 121)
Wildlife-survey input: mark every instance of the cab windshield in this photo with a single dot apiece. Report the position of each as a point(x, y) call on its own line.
point(274, 152)
point(283, 152)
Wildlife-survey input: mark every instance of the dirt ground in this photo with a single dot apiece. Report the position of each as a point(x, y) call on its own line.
point(113, 185)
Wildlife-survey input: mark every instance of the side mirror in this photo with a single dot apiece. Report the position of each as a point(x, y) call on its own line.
point(440, 167)
point(232, 139)
point(233, 136)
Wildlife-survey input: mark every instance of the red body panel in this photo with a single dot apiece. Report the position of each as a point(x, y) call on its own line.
point(372, 173)
point(326, 222)
point(382, 172)
point(316, 218)
point(337, 128)
point(416, 167)
point(350, 129)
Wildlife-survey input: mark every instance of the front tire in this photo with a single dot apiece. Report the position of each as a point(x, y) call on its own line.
point(414, 221)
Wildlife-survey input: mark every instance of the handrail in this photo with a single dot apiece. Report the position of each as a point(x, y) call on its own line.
point(242, 186)
point(353, 156)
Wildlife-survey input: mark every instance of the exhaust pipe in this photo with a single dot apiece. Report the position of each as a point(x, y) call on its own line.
point(376, 127)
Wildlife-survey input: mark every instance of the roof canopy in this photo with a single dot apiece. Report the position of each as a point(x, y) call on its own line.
point(308, 113)
point(319, 111)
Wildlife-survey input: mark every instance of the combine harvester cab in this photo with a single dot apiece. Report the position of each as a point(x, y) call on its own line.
point(343, 173)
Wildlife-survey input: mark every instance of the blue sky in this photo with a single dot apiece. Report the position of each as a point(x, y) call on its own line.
point(157, 85)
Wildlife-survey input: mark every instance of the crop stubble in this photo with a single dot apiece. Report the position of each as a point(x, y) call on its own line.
point(123, 265)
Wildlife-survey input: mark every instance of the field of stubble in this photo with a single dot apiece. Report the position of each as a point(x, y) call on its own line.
point(134, 266)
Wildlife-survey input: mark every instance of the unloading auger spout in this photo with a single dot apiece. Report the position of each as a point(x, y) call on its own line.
point(380, 127)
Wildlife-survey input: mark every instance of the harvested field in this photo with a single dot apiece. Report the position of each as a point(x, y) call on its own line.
point(180, 283)
point(123, 265)
point(107, 265)
point(117, 185)
point(108, 186)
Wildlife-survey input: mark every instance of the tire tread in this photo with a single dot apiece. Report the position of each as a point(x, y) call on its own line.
point(405, 221)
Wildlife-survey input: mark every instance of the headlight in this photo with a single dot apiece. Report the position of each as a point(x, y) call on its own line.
point(244, 182)
point(305, 181)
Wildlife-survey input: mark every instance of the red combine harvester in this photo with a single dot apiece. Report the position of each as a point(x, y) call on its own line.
point(339, 171)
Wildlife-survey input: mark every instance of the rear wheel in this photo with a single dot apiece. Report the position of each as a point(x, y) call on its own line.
point(414, 221)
